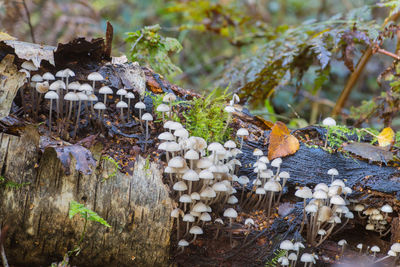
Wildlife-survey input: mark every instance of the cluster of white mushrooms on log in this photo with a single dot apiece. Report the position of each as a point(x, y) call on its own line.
point(68, 99)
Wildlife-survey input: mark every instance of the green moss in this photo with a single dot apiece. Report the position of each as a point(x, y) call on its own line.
point(11, 184)
point(337, 135)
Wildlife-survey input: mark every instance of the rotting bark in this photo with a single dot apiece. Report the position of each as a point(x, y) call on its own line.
point(136, 206)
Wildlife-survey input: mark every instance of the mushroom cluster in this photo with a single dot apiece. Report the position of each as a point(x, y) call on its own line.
point(292, 251)
point(326, 208)
point(377, 219)
point(72, 100)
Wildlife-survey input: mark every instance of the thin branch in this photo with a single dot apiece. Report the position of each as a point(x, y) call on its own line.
point(2, 252)
point(28, 15)
point(387, 53)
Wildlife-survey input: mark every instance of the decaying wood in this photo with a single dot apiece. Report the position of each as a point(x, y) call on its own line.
point(10, 81)
point(137, 207)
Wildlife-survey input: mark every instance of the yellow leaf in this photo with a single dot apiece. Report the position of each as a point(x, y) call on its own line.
point(4, 37)
point(386, 137)
point(281, 142)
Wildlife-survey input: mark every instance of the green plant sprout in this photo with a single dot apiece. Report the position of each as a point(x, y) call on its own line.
point(337, 135)
point(114, 163)
point(274, 261)
point(8, 184)
point(88, 215)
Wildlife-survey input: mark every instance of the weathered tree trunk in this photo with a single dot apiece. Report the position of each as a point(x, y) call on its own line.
point(136, 206)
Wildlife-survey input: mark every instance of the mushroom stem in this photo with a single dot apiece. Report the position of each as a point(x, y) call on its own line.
point(147, 130)
point(304, 216)
point(177, 228)
point(230, 232)
point(77, 118)
point(50, 109)
point(122, 114)
point(69, 111)
point(269, 204)
point(129, 109)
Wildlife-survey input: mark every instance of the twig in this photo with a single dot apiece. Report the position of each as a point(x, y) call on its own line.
point(2, 252)
point(137, 41)
point(387, 53)
point(28, 15)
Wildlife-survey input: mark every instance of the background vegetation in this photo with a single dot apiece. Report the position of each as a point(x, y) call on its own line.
point(290, 58)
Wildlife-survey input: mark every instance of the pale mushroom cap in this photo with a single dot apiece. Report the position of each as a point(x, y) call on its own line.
point(42, 87)
point(191, 155)
point(163, 108)
point(321, 186)
point(360, 246)
point(276, 162)
point(51, 95)
point(242, 132)
point(292, 256)
point(85, 87)
point(185, 199)
point(249, 221)
point(329, 122)
point(82, 96)
point(319, 194)
point(338, 182)
point(122, 104)
point(173, 147)
point(169, 97)
point(68, 73)
point(95, 76)
point(260, 191)
point(188, 218)
point(359, 207)
point(181, 132)
point(387, 208)
point(140, 105)
point(36, 78)
point(375, 249)
point(180, 186)
point(370, 227)
point(215, 147)
point(57, 85)
point(286, 245)
point(200, 207)
point(230, 213)
point(92, 98)
point(74, 86)
point(122, 92)
point(27, 74)
point(48, 76)
point(175, 125)
point(208, 192)
point(28, 65)
point(195, 230)
point(60, 74)
point(230, 144)
point(176, 212)
point(195, 196)
point(130, 95)
point(229, 109)
point(258, 152)
point(298, 245)
point(190, 175)
point(284, 175)
point(219, 187)
point(342, 242)
point(105, 90)
point(146, 116)
point(395, 247)
point(392, 253)
point(337, 200)
point(183, 243)
point(333, 172)
point(322, 232)
point(311, 208)
point(204, 163)
point(306, 257)
point(99, 106)
point(273, 186)
point(219, 220)
point(166, 136)
point(176, 162)
point(205, 217)
point(71, 96)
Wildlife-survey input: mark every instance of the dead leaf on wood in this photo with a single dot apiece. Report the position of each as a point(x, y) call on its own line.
point(386, 137)
point(281, 142)
point(368, 151)
point(34, 52)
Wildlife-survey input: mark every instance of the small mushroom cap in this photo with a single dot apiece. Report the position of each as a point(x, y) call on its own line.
point(219, 220)
point(329, 122)
point(176, 162)
point(200, 207)
point(230, 213)
point(191, 155)
point(311, 208)
point(75, 86)
point(232, 200)
point(190, 175)
point(204, 163)
point(284, 175)
point(230, 144)
point(146, 116)
point(140, 105)
point(258, 152)
point(42, 87)
point(260, 191)
point(286, 245)
point(319, 194)
point(57, 85)
point(338, 182)
point(306, 257)
point(99, 106)
point(95, 76)
point(181, 132)
point(130, 95)
point(122, 92)
point(208, 192)
point(48, 76)
point(122, 104)
point(229, 109)
point(92, 98)
point(180, 186)
point(249, 221)
point(276, 162)
point(185, 199)
point(337, 200)
point(360, 246)
point(169, 97)
point(51, 95)
point(215, 147)
point(321, 232)
point(342, 242)
point(206, 175)
point(166, 136)
point(375, 249)
point(297, 246)
point(60, 74)
point(68, 73)
point(163, 108)
point(242, 132)
point(205, 217)
point(195, 230)
point(333, 172)
point(243, 180)
point(175, 213)
point(27, 74)
point(387, 208)
point(71, 96)
point(82, 96)
point(370, 227)
point(321, 186)
point(173, 147)
point(85, 87)
point(392, 253)
point(220, 187)
point(183, 243)
point(105, 90)
point(195, 196)
point(395, 247)
point(28, 65)
point(36, 78)
point(273, 186)
point(284, 261)
point(188, 218)
point(292, 256)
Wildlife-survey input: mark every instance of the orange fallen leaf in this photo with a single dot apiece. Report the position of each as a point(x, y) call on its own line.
point(281, 142)
point(386, 137)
